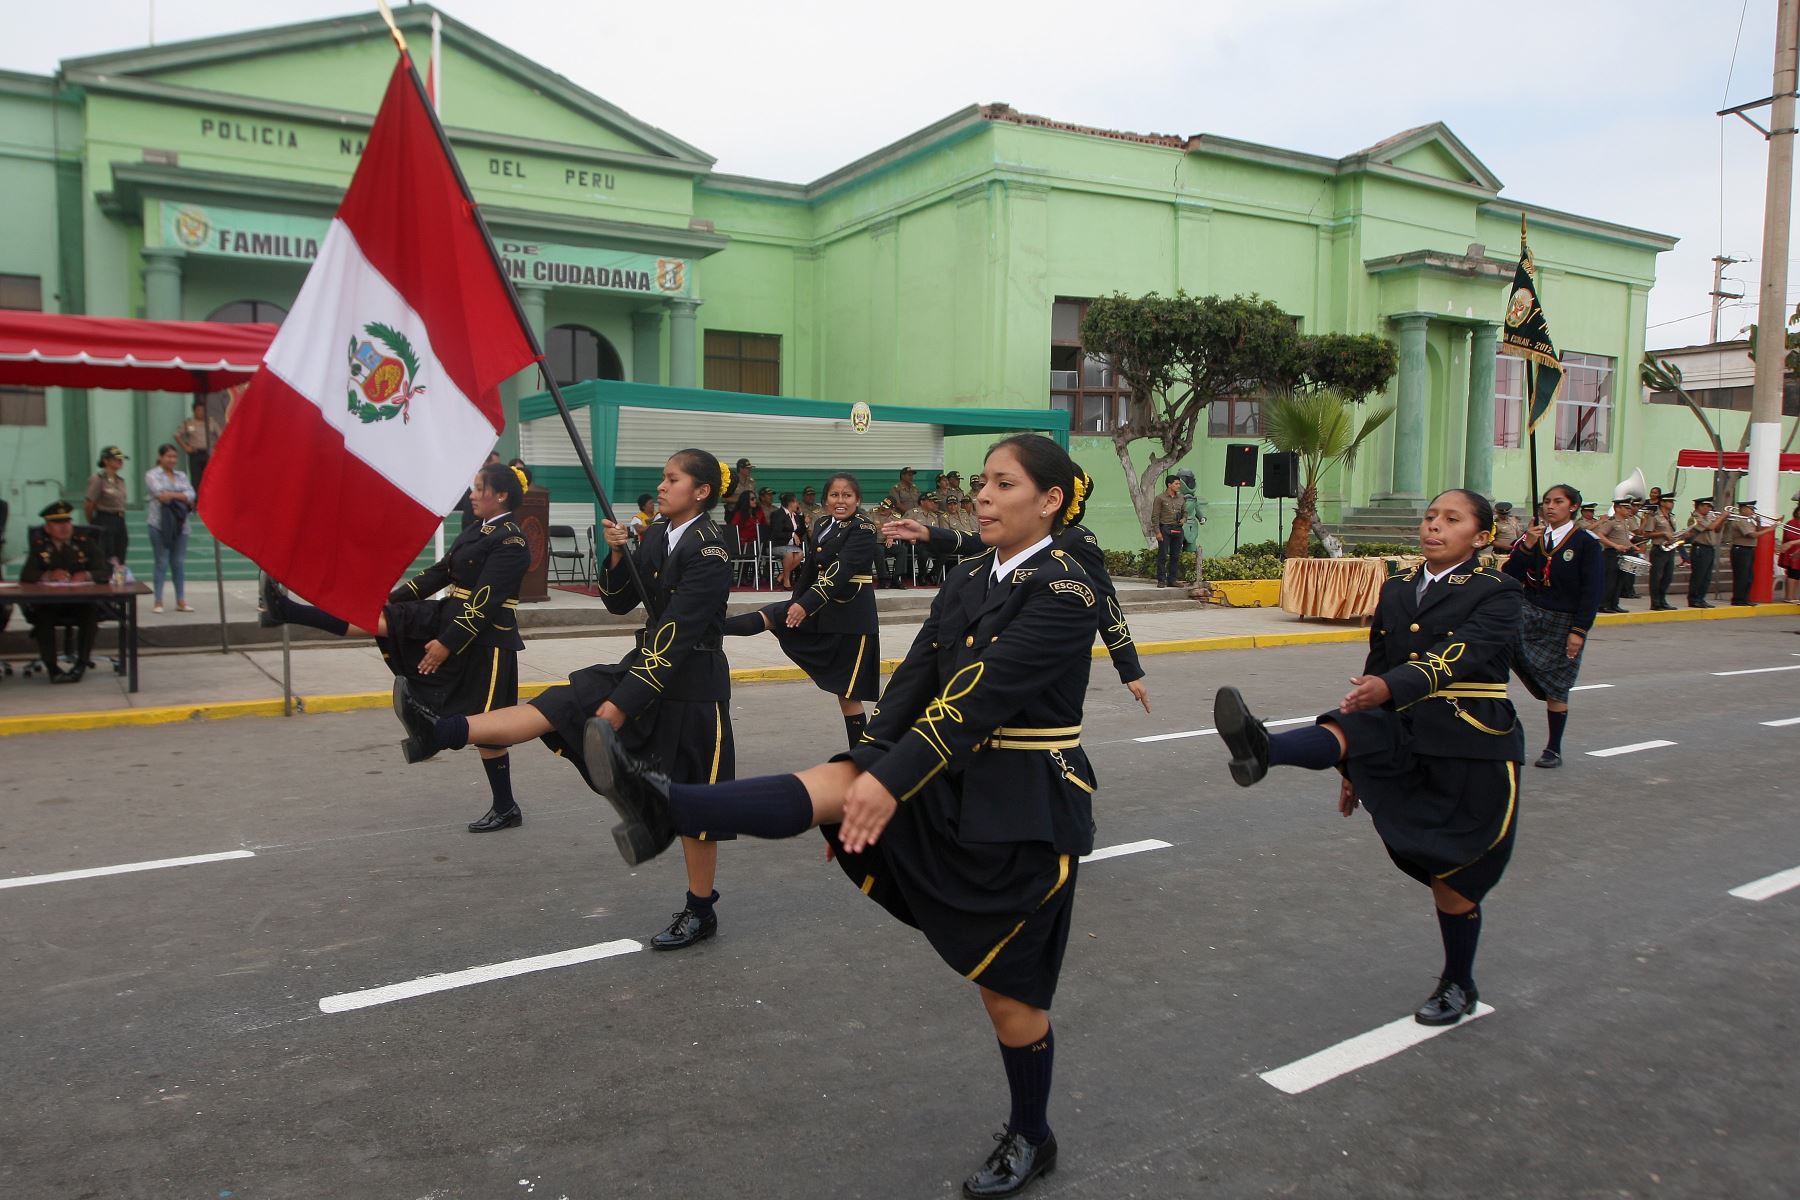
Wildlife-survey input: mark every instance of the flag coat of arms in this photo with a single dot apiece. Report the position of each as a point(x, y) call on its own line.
point(1527, 335)
point(379, 398)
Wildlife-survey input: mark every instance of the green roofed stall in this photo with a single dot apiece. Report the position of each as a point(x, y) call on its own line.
point(633, 427)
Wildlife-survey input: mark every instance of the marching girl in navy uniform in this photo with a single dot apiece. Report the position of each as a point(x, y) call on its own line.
point(830, 628)
point(1080, 543)
point(968, 803)
point(1564, 572)
point(459, 653)
point(669, 699)
point(1426, 739)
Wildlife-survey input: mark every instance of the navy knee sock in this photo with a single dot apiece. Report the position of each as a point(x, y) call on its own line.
point(1461, 932)
point(770, 806)
point(1558, 722)
point(499, 776)
point(295, 613)
point(745, 624)
point(450, 733)
point(1314, 748)
point(1028, 1070)
point(854, 724)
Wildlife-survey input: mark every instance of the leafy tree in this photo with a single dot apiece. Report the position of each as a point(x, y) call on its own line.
point(1177, 354)
point(1661, 375)
point(1321, 427)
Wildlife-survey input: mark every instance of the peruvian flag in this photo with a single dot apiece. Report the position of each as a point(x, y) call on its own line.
point(379, 398)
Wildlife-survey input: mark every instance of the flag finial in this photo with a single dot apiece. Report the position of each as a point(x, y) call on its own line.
point(387, 14)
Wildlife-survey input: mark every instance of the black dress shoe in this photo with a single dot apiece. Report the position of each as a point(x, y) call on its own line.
point(1447, 1005)
point(512, 818)
point(637, 792)
point(1612, 610)
point(1548, 758)
point(1699, 604)
point(68, 676)
point(270, 595)
point(419, 722)
point(1243, 735)
point(1014, 1163)
point(689, 927)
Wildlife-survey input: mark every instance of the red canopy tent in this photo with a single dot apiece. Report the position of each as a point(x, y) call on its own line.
point(55, 350)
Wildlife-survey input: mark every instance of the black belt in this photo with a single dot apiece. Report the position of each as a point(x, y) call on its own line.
point(713, 642)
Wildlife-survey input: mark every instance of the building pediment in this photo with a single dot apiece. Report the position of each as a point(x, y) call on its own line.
point(1431, 151)
point(339, 67)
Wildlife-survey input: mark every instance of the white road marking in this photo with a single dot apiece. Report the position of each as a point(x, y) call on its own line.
point(1631, 749)
point(1188, 733)
point(1358, 1052)
point(1759, 670)
point(1770, 885)
point(1783, 721)
point(1127, 848)
point(1589, 687)
point(347, 1001)
point(124, 868)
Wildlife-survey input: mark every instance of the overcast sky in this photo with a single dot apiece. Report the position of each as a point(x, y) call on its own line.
point(1605, 108)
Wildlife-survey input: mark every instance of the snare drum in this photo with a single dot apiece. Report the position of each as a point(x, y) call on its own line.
point(1633, 564)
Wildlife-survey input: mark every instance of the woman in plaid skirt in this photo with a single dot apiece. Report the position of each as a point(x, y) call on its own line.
point(1563, 570)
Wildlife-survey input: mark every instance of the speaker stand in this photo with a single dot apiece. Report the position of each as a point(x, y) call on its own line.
point(1237, 521)
point(1281, 525)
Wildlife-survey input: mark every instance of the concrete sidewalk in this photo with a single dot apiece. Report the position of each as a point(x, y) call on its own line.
point(332, 676)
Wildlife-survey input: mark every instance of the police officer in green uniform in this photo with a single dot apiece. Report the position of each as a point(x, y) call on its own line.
point(60, 555)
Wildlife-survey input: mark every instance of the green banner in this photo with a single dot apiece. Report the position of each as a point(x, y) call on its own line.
point(1527, 335)
point(284, 237)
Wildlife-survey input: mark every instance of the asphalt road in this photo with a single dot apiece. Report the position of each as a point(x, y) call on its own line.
point(163, 1037)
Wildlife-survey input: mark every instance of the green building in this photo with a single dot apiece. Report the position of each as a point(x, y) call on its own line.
point(192, 181)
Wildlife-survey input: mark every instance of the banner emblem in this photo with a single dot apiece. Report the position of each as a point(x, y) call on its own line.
point(385, 376)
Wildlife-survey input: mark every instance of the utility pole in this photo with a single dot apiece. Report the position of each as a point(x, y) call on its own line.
point(1720, 262)
point(1771, 313)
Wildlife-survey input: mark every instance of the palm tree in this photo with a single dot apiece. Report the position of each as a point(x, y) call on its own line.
point(1320, 426)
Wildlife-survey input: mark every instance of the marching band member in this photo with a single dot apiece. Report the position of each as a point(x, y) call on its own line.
point(1426, 739)
point(1080, 543)
point(668, 698)
point(986, 707)
point(459, 653)
point(1561, 568)
point(829, 628)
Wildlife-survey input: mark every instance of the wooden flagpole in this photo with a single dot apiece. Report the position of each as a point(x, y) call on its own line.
point(562, 405)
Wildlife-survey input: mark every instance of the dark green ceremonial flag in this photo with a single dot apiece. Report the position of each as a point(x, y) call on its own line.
point(1527, 335)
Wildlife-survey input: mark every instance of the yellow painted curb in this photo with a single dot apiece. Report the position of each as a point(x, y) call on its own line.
point(360, 701)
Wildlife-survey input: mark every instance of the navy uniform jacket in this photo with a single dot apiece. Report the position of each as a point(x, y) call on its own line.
point(480, 576)
point(1084, 547)
point(1446, 660)
point(1574, 582)
point(678, 655)
point(984, 713)
point(835, 584)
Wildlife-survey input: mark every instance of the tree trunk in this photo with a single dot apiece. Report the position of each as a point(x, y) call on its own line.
point(1143, 487)
point(1304, 511)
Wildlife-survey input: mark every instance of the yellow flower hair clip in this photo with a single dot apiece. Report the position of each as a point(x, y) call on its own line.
point(1082, 484)
point(724, 479)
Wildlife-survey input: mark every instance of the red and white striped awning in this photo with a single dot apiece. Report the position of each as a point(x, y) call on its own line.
point(55, 350)
point(1730, 460)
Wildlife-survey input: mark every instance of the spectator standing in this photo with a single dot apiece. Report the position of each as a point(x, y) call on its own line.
point(1740, 535)
point(104, 504)
point(168, 502)
point(1706, 529)
point(744, 480)
point(903, 497)
point(1787, 555)
point(951, 493)
point(1167, 514)
point(930, 514)
point(1508, 528)
point(1615, 534)
point(1658, 530)
point(810, 508)
point(787, 534)
point(197, 435)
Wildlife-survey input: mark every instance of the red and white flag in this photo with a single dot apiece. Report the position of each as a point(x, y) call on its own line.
point(379, 398)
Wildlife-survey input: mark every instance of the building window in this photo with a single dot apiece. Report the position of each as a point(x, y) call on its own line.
point(1509, 401)
point(22, 405)
point(743, 362)
point(239, 312)
point(1234, 417)
point(576, 353)
point(1584, 409)
point(1081, 384)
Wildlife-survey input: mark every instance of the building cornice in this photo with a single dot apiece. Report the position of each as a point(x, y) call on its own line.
point(1439, 263)
point(1639, 239)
